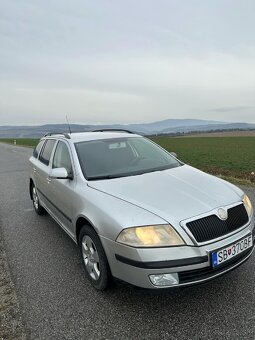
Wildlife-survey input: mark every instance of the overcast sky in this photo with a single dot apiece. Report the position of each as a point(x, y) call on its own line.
point(126, 60)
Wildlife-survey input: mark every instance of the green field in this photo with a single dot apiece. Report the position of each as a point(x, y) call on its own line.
point(21, 141)
point(230, 157)
point(226, 156)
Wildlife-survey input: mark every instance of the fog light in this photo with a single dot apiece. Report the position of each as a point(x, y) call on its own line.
point(164, 279)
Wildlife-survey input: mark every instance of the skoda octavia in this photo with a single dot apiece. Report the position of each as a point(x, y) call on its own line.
point(137, 213)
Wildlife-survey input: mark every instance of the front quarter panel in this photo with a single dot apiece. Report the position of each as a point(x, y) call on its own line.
point(110, 215)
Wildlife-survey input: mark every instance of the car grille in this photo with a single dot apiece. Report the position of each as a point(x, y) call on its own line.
point(207, 272)
point(212, 227)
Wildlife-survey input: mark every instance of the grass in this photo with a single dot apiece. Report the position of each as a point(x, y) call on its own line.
point(232, 158)
point(228, 157)
point(30, 142)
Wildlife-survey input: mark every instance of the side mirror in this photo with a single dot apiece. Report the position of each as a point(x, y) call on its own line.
point(173, 154)
point(59, 173)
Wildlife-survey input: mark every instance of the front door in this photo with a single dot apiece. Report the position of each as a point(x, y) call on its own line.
point(62, 190)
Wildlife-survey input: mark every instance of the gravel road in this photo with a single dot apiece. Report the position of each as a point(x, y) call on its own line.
point(57, 302)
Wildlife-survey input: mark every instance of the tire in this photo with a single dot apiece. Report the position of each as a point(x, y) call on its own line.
point(36, 203)
point(94, 259)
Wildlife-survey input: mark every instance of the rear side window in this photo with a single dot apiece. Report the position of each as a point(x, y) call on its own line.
point(38, 148)
point(46, 152)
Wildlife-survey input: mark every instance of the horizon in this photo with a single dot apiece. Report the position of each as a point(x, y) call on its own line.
point(129, 123)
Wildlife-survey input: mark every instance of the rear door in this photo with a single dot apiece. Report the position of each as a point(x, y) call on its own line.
point(42, 171)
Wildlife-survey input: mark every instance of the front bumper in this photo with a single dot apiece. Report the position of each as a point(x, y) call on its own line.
point(187, 264)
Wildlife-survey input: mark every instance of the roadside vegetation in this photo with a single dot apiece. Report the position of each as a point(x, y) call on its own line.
point(30, 142)
point(232, 158)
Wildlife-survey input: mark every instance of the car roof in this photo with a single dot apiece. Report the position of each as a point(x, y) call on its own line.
point(76, 137)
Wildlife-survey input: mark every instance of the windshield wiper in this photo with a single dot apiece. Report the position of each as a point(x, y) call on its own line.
point(94, 178)
point(127, 174)
point(97, 178)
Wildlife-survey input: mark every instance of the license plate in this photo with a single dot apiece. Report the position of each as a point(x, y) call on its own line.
point(227, 253)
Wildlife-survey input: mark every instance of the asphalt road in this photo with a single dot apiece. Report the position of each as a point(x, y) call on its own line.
point(58, 303)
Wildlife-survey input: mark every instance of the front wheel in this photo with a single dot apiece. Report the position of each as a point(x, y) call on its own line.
point(36, 203)
point(94, 258)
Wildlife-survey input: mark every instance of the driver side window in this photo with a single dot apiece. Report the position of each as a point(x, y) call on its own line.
point(62, 157)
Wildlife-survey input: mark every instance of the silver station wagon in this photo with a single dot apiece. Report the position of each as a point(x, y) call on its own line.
point(137, 213)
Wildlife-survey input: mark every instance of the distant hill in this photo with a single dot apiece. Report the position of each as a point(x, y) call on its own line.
point(168, 126)
point(209, 127)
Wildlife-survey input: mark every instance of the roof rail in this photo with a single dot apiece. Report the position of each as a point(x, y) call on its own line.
point(113, 130)
point(66, 135)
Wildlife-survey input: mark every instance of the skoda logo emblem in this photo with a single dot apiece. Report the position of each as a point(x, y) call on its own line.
point(223, 214)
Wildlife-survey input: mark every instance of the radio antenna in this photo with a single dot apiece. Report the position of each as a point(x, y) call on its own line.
point(69, 127)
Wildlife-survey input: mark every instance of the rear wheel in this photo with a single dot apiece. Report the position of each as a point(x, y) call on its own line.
point(94, 258)
point(36, 203)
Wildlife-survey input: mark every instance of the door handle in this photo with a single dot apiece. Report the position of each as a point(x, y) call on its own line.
point(34, 169)
point(48, 179)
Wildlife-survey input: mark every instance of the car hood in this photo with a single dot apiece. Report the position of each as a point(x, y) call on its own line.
point(175, 194)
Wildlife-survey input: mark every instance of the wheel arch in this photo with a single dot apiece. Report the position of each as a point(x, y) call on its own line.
point(81, 220)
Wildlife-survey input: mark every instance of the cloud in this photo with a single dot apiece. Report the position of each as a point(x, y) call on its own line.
point(233, 108)
point(126, 61)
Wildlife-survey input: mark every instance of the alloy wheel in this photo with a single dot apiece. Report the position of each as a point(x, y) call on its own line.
point(35, 198)
point(90, 257)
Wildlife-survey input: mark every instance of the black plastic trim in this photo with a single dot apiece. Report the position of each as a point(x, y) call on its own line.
point(162, 264)
point(208, 272)
point(211, 227)
point(113, 130)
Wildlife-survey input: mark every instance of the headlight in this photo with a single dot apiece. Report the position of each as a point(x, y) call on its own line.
point(248, 205)
point(150, 236)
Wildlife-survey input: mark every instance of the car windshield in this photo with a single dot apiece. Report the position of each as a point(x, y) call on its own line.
point(119, 157)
